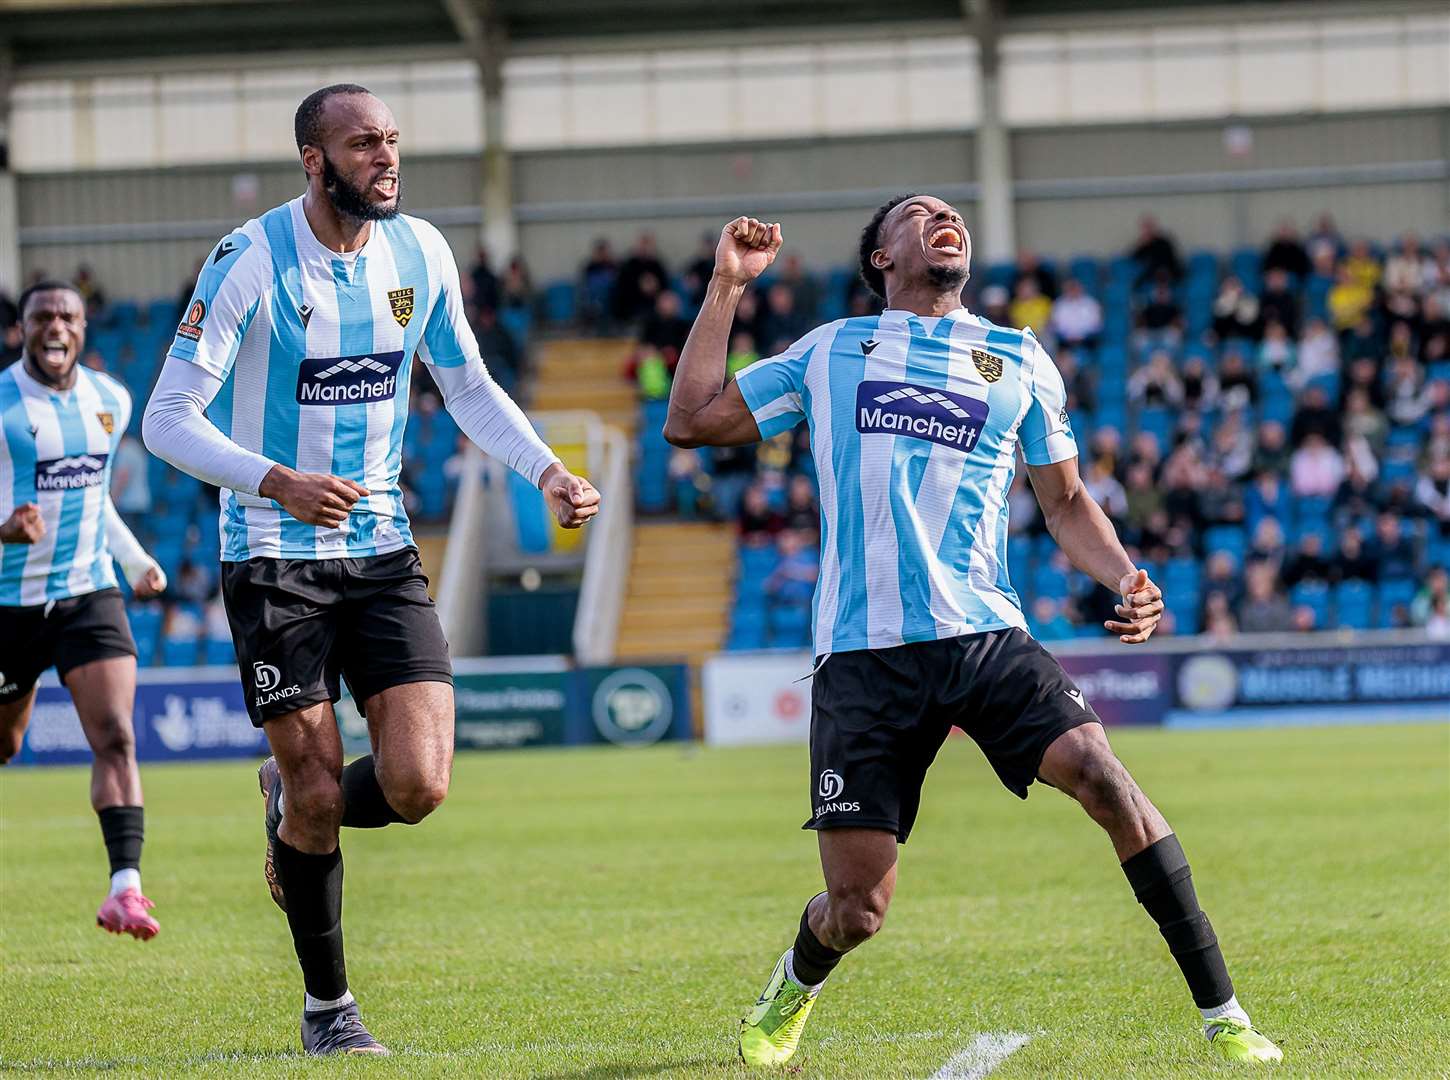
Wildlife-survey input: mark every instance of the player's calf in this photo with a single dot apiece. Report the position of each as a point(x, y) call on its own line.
point(312, 811)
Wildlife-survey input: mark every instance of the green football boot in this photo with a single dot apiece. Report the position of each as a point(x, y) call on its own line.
point(771, 1031)
point(1238, 1041)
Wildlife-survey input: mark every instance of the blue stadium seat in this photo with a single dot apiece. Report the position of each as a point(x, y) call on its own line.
point(145, 620)
point(561, 303)
point(1315, 596)
point(789, 625)
point(1227, 538)
point(1354, 605)
point(219, 651)
point(1396, 593)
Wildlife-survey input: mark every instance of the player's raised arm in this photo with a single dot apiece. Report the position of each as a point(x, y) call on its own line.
point(705, 410)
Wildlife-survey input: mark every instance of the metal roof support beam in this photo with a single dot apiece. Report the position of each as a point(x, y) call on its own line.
point(9, 199)
point(995, 232)
point(480, 25)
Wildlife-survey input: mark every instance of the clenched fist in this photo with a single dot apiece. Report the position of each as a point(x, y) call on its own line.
point(24, 526)
point(1141, 609)
point(572, 499)
point(746, 248)
point(312, 498)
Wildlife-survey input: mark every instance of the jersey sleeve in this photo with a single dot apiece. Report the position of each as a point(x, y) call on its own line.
point(447, 339)
point(772, 387)
point(228, 292)
point(1046, 435)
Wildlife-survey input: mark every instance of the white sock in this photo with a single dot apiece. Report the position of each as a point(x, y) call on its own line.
point(313, 1004)
point(121, 880)
point(1231, 1007)
point(790, 974)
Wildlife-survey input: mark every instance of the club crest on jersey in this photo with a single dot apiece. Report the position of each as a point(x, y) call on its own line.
point(191, 326)
point(348, 380)
point(108, 422)
point(70, 473)
point(402, 301)
point(987, 365)
point(920, 412)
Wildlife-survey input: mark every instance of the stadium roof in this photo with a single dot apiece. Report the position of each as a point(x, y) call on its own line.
point(54, 34)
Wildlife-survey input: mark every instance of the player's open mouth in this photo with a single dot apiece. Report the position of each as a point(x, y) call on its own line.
point(387, 186)
point(55, 349)
point(947, 239)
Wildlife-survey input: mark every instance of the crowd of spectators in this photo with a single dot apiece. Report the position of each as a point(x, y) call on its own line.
point(1278, 420)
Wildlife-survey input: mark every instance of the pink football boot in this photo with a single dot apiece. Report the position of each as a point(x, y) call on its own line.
point(126, 913)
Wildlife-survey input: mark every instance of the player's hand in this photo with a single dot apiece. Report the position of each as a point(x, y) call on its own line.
point(746, 248)
point(572, 499)
point(313, 498)
point(152, 583)
point(24, 526)
point(1141, 609)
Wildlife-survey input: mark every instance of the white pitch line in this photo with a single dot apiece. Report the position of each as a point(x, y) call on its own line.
point(985, 1054)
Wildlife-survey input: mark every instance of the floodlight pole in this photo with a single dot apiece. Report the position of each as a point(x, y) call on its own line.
point(482, 31)
point(995, 230)
point(9, 198)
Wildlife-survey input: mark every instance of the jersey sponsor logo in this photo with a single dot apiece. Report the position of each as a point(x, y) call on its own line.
point(191, 325)
point(920, 412)
point(402, 302)
point(70, 473)
point(348, 380)
point(108, 422)
point(987, 365)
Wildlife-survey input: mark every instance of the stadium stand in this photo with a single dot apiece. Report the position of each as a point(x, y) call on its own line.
point(1232, 414)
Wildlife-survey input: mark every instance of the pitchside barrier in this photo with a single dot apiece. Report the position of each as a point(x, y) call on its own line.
point(1250, 680)
point(190, 714)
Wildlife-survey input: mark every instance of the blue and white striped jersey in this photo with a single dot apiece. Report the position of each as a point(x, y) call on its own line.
point(57, 452)
point(315, 351)
point(915, 424)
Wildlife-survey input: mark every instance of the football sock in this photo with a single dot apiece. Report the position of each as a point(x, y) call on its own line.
point(1163, 884)
point(121, 880)
point(364, 805)
point(123, 828)
point(312, 885)
point(809, 962)
point(312, 1004)
point(1231, 1007)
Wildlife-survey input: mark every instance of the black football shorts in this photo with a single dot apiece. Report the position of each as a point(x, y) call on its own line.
point(301, 624)
point(64, 634)
point(879, 716)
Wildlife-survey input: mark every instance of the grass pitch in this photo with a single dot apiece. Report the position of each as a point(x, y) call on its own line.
point(593, 914)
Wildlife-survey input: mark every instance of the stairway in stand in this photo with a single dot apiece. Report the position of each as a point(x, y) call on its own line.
point(586, 374)
point(681, 584)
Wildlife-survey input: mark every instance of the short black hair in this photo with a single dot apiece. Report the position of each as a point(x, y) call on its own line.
point(46, 285)
point(307, 124)
point(871, 240)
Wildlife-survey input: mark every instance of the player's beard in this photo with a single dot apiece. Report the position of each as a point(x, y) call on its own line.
point(351, 201)
point(948, 277)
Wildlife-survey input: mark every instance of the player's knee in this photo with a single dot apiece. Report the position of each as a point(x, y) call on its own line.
point(114, 742)
point(10, 745)
point(1102, 785)
point(857, 917)
point(314, 803)
point(418, 796)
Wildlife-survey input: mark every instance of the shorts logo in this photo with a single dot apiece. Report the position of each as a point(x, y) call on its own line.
point(266, 679)
point(108, 422)
point(920, 412)
point(830, 784)
point(402, 301)
point(987, 365)
point(265, 676)
point(191, 326)
point(70, 473)
point(348, 380)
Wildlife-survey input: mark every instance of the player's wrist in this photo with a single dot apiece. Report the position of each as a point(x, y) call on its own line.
point(722, 281)
point(277, 481)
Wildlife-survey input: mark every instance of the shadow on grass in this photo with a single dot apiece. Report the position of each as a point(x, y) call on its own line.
point(158, 1063)
point(622, 1070)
